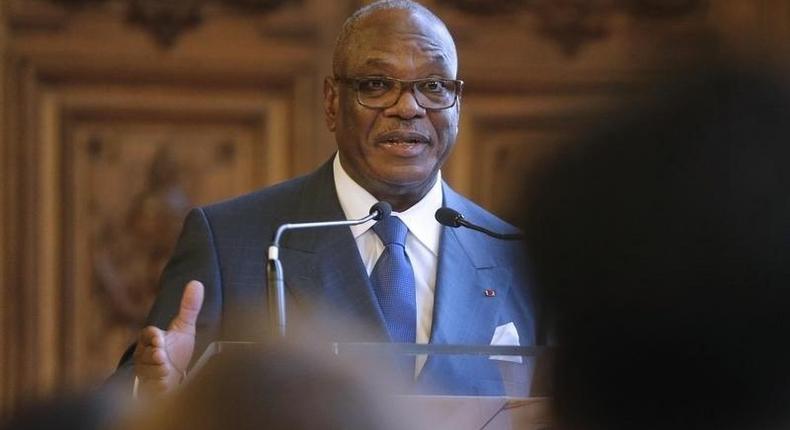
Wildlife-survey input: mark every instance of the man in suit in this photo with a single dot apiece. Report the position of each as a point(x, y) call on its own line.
point(393, 105)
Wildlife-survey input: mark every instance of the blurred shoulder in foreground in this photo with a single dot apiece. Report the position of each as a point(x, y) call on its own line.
point(661, 243)
point(298, 383)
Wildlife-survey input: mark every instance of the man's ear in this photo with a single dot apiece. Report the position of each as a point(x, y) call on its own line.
point(331, 97)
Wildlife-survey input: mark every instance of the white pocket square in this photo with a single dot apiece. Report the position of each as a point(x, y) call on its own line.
point(506, 335)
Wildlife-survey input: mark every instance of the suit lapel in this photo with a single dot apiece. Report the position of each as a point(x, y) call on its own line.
point(462, 312)
point(323, 266)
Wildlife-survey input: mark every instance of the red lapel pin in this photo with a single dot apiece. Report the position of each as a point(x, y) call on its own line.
point(488, 292)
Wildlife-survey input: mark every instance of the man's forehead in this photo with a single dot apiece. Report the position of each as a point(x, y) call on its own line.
point(389, 31)
point(374, 61)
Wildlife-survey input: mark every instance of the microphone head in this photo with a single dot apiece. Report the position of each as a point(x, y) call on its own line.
point(382, 210)
point(449, 217)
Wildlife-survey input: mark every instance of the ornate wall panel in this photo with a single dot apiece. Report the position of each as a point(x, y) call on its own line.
point(128, 165)
point(120, 241)
point(4, 251)
point(102, 168)
point(506, 138)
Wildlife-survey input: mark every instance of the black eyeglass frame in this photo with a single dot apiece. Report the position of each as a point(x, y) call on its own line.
point(355, 82)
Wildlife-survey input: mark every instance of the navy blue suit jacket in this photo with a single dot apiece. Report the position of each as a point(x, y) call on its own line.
point(224, 246)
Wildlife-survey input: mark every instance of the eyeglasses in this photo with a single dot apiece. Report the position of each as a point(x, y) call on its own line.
point(377, 92)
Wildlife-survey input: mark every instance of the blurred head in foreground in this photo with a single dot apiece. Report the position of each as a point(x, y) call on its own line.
point(298, 383)
point(662, 249)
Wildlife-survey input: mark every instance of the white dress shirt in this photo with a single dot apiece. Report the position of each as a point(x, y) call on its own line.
point(422, 241)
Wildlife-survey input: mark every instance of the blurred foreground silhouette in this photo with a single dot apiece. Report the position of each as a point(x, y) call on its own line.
point(298, 383)
point(661, 244)
point(294, 383)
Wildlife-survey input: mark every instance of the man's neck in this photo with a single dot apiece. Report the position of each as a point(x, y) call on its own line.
point(401, 198)
point(400, 201)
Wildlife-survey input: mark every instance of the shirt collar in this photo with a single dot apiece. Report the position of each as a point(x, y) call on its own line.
point(356, 202)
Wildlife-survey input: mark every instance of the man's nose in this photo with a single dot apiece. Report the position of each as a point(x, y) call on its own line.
point(406, 107)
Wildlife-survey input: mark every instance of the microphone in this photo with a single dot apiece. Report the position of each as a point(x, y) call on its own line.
point(274, 269)
point(378, 211)
point(452, 218)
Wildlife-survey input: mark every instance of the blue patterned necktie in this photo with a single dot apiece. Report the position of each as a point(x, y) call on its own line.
point(393, 281)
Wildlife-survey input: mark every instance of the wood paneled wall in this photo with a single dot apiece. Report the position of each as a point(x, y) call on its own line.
point(107, 138)
point(6, 394)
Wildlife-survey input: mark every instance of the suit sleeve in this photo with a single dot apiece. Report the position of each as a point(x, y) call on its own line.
point(194, 257)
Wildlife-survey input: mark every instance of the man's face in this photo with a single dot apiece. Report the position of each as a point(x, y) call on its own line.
point(394, 152)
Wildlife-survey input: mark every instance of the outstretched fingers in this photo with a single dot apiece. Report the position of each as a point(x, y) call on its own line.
point(161, 357)
point(150, 358)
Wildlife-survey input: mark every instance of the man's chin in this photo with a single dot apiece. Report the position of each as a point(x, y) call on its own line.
point(408, 182)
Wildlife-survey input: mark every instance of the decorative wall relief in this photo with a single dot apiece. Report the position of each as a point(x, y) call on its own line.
point(132, 184)
point(575, 23)
point(130, 252)
point(167, 20)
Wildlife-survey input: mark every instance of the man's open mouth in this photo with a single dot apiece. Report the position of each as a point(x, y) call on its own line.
point(403, 138)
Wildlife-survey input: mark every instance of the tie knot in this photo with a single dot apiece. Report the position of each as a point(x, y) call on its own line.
point(391, 230)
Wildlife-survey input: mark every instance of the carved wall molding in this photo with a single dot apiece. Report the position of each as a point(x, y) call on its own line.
point(506, 138)
point(167, 20)
point(574, 23)
point(85, 254)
